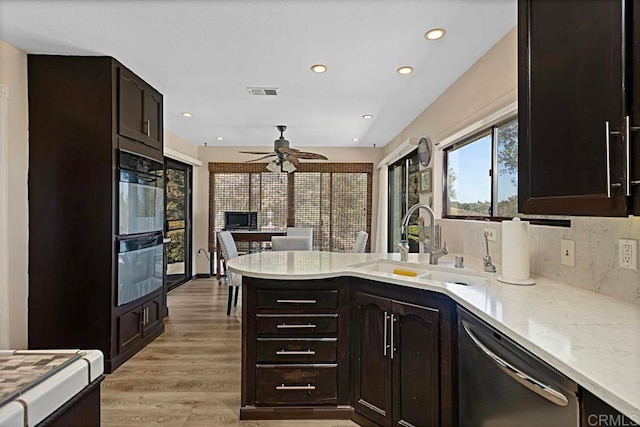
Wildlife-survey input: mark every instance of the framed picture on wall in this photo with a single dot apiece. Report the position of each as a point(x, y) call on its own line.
point(425, 181)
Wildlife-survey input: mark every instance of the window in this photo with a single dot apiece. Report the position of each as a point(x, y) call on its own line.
point(332, 198)
point(481, 176)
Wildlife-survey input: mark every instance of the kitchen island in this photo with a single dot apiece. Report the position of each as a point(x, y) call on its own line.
point(590, 338)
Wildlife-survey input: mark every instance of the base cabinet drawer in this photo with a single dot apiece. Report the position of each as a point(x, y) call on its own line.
point(297, 324)
point(296, 385)
point(296, 299)
point(300, 350)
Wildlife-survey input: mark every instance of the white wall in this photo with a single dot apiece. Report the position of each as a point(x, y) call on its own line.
point(488, 86)
point(230, 154)
point(13, 74)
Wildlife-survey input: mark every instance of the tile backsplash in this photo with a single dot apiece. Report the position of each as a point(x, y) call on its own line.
point(596, 251)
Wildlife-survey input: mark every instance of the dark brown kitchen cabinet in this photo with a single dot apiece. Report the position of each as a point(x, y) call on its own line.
point(371, 353)
point(401, 358)
point(572, 106)
point(75, 106)
point(635, 107)
point(295, 361)
point(140, 110)
point(139, 322)
point(596, 413)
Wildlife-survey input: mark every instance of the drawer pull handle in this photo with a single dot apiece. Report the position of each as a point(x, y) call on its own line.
point(288, 352)
point(296, 387)
point(296, 301)
point(285, 326)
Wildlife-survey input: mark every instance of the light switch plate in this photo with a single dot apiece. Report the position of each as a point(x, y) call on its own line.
point(568, 252)
point(491, 233)
point(628, 254)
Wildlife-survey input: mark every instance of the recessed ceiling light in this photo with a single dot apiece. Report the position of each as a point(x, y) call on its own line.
point(187, 114)
point(219, 138)
point(355, 139)
point(405, 70)
point(319, 68)
point(435, 34)
point(367, 116)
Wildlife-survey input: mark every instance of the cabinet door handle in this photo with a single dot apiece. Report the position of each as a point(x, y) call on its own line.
point(391, 326)
point(296, 301)
point(295, 387)
point(627, 132)
point(149, 128)
point(608, 157)
point(294, 352)
point(285, 326)
point(384, 344)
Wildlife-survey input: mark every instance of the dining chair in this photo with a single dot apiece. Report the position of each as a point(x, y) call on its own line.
point(290, 243)
point(360, 243)
point(233, 280)
point(301, 232)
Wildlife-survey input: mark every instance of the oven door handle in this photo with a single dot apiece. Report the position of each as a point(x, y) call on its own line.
point(529, 382)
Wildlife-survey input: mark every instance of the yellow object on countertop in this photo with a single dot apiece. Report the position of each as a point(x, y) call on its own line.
point(404, 272)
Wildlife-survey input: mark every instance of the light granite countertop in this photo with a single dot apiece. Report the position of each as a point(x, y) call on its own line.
point(591, 338)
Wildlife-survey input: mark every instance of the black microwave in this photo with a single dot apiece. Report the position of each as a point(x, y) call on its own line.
point(241, 220)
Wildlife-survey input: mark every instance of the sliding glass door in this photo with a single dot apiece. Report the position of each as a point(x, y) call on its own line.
point(178, 222)
point(404, 192)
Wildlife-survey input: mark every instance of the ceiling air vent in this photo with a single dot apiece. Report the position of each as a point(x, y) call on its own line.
point(269, 91)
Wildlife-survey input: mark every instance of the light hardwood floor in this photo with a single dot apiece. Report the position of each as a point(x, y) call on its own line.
point(190, 375)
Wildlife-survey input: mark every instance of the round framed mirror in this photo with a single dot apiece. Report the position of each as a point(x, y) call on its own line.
point(424, 152)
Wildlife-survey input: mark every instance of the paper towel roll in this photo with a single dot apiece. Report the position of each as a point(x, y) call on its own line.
point(515, 252)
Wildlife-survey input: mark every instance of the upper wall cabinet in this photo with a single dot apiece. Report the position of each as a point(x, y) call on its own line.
point(140, 110)
point(579, 107)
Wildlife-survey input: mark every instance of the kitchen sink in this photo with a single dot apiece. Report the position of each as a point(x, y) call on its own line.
point(454, 278)
point(387, 266)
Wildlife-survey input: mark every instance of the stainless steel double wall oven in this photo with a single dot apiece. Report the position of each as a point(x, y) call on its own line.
point(140, 226)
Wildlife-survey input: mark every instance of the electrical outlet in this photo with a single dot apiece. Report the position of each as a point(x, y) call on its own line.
point(568, 252)
point(491, 233)
point(628, 254)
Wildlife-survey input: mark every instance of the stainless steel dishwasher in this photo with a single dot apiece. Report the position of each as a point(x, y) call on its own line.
point(503, 385)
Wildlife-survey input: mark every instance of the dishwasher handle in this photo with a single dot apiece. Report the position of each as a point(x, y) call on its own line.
point(532, 384)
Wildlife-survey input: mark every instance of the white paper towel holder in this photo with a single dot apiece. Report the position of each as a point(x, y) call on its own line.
point(525, 282)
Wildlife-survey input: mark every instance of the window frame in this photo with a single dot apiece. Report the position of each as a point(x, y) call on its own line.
point(470, 139)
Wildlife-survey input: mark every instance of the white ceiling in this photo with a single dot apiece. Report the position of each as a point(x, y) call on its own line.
point(203, 54)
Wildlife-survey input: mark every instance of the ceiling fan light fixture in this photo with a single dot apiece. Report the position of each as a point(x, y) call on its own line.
point(319, 68)
point(435, 34)
point(288, 167)
point(273, 166)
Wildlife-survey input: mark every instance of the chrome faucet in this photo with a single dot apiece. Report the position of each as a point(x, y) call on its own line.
point(486, 261)
point(403, 246)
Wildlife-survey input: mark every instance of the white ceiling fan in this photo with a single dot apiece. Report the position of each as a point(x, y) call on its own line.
point(286, 159)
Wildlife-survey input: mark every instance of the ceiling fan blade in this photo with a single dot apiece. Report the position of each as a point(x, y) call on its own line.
point(260, 158)
point(256, 152)
point(314, 156)
point(290, 151)
point(293, 160)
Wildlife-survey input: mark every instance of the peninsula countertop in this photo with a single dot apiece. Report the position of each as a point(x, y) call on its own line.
point(591, 338)
point(36, 383)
